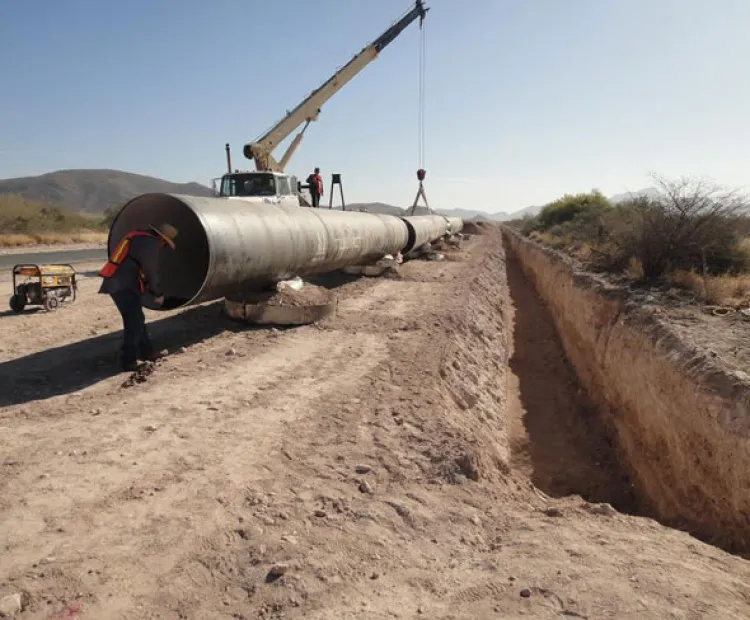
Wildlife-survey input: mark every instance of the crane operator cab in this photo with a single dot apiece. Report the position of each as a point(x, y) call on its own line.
point(269, 187)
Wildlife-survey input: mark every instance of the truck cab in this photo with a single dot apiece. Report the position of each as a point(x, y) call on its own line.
point(268, 187)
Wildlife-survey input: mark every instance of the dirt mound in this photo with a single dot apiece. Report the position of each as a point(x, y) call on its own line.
point(473, 228)
point(309, 295)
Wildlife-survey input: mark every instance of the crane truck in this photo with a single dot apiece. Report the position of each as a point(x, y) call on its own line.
point(269, 182)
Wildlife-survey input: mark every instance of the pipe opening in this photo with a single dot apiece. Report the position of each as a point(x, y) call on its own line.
point(184, 269)
point(411, 236)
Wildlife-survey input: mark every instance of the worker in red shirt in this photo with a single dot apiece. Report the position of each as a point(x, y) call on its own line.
point(315, 184)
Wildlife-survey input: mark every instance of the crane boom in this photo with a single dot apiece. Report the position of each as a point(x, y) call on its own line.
point(308, 111)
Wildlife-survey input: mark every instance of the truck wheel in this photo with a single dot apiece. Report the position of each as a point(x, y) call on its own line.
point(17, 303)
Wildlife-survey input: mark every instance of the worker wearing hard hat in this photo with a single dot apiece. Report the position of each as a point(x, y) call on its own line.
point(132, 271)
point(315, 185)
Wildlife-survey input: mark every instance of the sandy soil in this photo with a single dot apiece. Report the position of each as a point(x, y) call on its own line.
point(426, 452)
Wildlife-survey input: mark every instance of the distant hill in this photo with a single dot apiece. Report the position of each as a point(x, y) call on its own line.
point(648, 192)
point(92, 191)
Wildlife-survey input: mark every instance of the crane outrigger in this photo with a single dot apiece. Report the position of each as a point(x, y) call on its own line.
point(269, 182)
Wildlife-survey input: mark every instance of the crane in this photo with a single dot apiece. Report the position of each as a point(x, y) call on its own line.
point(269, 182)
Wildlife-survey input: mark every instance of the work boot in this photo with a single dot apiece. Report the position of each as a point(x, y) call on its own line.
point(130, 366)
point(157, 355)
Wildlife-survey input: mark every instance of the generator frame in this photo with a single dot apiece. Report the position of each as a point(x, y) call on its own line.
point(45, 285)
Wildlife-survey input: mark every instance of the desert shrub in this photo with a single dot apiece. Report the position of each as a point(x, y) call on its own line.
point(583, 208)
point(527, 224)
point(689, 225)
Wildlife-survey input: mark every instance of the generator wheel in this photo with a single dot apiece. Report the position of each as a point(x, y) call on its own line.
point(17, 303)
point(51, 303)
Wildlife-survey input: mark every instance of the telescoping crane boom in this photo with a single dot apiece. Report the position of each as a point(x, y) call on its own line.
point(252, 184)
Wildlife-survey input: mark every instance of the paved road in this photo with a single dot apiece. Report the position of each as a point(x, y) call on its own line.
point(55, 256)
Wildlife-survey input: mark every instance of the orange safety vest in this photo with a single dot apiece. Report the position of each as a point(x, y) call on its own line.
point(120, 254)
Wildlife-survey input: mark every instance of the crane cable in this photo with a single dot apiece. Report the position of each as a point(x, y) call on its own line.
point(421, 96)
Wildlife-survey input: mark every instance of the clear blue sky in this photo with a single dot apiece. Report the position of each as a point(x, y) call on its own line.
point(526, 99)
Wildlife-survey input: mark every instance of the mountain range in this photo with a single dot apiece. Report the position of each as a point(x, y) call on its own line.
point(92, 191)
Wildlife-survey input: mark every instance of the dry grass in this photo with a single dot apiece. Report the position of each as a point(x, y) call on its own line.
point(23, 240)
point(723, 290)
point(668, 426)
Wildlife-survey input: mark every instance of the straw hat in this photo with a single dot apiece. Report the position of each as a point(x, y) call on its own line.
point(166, 232)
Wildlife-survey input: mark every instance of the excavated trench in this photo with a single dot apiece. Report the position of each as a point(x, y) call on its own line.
point(556, 436)
point(607, 402)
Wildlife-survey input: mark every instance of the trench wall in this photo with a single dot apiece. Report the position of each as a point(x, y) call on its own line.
point(678, 422)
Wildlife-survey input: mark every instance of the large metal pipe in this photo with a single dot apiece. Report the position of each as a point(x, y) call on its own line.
point(228, 246)
point(425, 229)
point(456, 225)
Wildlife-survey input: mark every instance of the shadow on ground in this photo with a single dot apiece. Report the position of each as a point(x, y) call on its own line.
point(71, 367)
point(74, 366)
point(567, 449)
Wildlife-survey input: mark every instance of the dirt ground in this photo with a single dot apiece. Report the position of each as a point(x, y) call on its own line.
point(425, 453)
point(723, 336)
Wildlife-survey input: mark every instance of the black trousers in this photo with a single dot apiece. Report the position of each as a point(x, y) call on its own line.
point(315, 199)
point(135, 339)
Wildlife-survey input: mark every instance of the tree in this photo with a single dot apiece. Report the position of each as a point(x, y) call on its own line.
point(690, 224)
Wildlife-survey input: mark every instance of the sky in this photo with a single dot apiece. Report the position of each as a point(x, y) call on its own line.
point(525, 100)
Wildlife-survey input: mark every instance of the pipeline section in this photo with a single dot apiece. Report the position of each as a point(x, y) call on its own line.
point(228, 246)
point(424, 229)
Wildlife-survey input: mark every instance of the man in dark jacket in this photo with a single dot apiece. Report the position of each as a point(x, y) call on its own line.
point(315, 185)
point(131, 271)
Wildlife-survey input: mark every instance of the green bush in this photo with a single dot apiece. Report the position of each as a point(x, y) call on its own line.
point(583, 208)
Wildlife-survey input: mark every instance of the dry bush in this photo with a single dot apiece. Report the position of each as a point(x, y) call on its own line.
point(689, 225)
point(726, 289)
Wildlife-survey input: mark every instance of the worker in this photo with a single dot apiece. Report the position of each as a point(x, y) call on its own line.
point(315, 184)
point(132, 271)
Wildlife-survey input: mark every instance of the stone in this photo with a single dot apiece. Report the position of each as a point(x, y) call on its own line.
point(604, 510)
point(13, 604)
